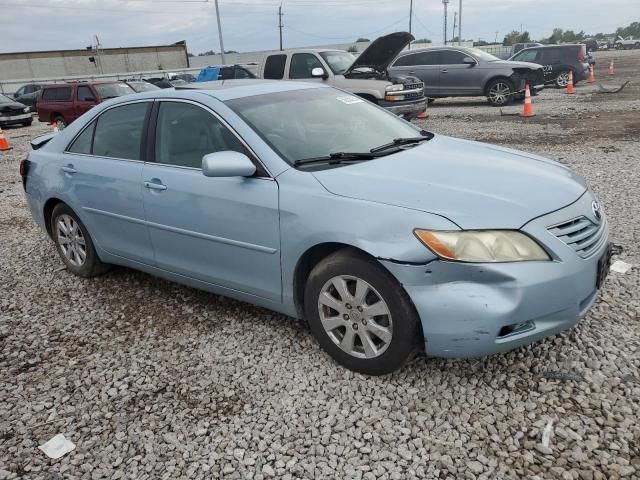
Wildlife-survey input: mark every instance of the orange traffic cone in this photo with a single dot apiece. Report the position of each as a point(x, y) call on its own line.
point(570, 84)
point(4, 143)
point(424, 114)
point(54, 127)
point(612, 70)
point(592, 76)
point(527, 110)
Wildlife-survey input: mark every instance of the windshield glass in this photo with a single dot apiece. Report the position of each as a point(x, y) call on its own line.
point(143, 86)
point(316, 122)
point(5, 99)
point(113, 90)
point(482, 55)
point(338, 61)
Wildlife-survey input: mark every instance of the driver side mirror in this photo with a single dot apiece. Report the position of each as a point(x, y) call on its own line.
point(227, 163)
point(319, 72)
point(469, 61)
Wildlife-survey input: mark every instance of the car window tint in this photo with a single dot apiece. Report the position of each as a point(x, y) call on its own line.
point(452, 57)
point(20, 91)
point(185, 133)
point(274, 67)
point(302, 64)
point(527, 56)
point(407, 60)
point(57, 94)
point(243, 73)
point(119, 132)
point(82, 143)
point(85, 93)
point(226, 73)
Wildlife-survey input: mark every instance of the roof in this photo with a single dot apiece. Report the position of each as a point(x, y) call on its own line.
point(230, 89)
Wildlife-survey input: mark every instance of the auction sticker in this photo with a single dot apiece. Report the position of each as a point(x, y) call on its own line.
point(349, 99)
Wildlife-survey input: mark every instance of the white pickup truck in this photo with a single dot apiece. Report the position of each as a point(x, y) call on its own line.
point(365, 76)
point(625, 43)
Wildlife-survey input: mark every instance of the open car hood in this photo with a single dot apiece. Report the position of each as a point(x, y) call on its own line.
point(381, 52)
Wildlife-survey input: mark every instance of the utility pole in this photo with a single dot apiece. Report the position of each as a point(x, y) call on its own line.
point(280, 24)
point(410, 17)
point(445, 3)
point(220, 32)
point(460, 22)
point(496, 40)
point(455, 16)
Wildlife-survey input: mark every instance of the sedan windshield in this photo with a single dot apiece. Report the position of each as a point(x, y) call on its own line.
point(320, 122)
point(113, 90)
point(338, 61)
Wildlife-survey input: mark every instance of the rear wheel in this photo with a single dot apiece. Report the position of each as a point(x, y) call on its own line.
point(74, 243)
point(360, 314)
point(500, 92)
point(562, 80)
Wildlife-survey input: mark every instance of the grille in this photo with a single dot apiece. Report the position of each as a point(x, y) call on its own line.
point(581, 234)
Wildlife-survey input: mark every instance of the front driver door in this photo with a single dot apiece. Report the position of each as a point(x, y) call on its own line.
point(425, 66)
point(224, 231)
point(457, 77)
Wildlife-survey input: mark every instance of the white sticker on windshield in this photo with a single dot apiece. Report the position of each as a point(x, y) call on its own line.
point(349, 99)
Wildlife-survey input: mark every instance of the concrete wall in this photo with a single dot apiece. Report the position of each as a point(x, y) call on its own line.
point(64, 63)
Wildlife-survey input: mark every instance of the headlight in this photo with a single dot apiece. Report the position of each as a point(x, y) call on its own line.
point(394, 88)
point(26, 109)
point(482, 245)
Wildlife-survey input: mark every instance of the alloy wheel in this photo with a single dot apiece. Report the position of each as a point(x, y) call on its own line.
point(499, 93)
point(563, 79)
point(355, 316)
point(71, 240)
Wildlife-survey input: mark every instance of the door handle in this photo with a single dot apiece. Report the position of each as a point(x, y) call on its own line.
point(411, 72)
point(155, 186)
point(69, 169)
point(444, 71)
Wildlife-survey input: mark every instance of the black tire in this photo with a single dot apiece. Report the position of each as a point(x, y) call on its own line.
point(60, 121)
point(430, 100)
point(91, 266)
point(559, 81)
point(403, 320)
point(500, 101)
point(27, 123)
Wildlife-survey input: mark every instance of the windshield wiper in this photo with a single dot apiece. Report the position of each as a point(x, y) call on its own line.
point(404, 141)
point(337, 157)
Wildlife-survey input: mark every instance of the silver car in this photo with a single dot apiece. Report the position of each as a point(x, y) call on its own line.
point(468, 72)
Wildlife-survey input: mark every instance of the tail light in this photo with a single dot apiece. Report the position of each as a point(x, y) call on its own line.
point(582, 53)
point(24, 171)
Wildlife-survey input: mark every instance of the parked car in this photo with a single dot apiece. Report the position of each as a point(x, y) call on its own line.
point(516, 47)
point(557, 61)
point(28, 94)
point(141, 86)
point(468, 72)
point(626, 43)
point(166, 82)
point(312, 202)
point(224, 72)
point(62, 103)
point(14, 113)
point(367, 76)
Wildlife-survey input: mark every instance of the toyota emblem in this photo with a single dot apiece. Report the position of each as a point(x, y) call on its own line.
point(595, 207)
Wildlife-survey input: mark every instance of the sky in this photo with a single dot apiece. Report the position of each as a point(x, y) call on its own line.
point(249, 25)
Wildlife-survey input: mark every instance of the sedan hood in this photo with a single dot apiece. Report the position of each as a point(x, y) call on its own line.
point(381, 52)
point(12, 106)
point(474, 185)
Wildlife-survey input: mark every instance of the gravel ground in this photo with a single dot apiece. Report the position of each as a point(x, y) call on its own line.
point(152, 380)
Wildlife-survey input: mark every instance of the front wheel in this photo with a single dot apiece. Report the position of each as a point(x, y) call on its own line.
point(73, 243)
point(360, 314)
point(500, 92)
point(562, 80)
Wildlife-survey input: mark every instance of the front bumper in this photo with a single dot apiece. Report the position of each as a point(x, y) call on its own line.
point(409, 108)
point(14, 119)
point(472, 310)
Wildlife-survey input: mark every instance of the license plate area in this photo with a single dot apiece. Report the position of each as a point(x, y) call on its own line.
point(604, 264)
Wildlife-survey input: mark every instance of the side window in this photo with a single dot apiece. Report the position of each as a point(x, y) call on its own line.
point(243, 73)
point(21, 91)
point(226, 73)
point(85, 94)
point(302, 64)
point(274, 67)
point(61, 94)
point(185, 133)
point(82, 143)
point(407, 60)
point(452, 57)
point(50, 94)
point(119, 132)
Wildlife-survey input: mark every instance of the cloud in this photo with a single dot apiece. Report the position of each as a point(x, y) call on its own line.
point(252, 24)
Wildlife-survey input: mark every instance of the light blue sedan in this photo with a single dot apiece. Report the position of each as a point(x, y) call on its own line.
point(309, 201)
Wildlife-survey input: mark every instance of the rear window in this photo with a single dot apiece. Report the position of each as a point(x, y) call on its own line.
point(274, 67)
point(59, 94)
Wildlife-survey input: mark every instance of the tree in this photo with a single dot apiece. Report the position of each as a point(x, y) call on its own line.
point(480, 43)
point(362, 40)
point(515, 37)
point(422, 40)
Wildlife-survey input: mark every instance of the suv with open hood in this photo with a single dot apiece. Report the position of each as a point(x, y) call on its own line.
point(365, 76)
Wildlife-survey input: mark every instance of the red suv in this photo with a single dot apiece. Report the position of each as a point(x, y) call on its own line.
point(62, 103)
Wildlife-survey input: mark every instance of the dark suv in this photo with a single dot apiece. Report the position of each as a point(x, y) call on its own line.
point(28, 94)
point(557, 61)
point(62, 103)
